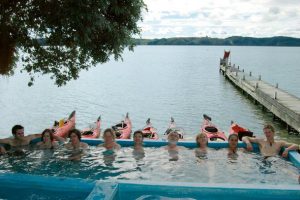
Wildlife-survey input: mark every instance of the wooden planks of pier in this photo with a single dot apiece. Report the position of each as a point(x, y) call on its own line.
point(283, 105)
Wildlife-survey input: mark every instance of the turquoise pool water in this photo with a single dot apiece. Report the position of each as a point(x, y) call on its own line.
point(156, 165)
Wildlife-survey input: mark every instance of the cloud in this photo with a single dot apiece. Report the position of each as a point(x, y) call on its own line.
point(170, 18)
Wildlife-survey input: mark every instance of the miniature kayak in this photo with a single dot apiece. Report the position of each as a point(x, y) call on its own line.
point(149, 132)
point(240, 131)
point(211, 131)
point(123, 129)
point(92, 132)
point(63, 127)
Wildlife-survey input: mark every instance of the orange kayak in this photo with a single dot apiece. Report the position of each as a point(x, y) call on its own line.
point(149, 132)
point(211, 130)
point(123, 129)
point(65, 127)
point(92, 132)
point(240, 131)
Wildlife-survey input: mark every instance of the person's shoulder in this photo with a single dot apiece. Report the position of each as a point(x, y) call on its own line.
point(32, 136)
point(67, 145)
point(84, 145)
point(283, 142)
point(259, 140)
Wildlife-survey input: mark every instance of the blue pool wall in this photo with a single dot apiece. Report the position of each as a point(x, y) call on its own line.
point(16, 186)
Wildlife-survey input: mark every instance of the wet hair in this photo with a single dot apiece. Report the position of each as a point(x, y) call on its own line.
point(15, 128)
point(198, 136)
point(174, 132)
point(138, 132)
point(270, 127)
point(50, 131)
point(76, 131)
point(233, 135)
point(111, 131)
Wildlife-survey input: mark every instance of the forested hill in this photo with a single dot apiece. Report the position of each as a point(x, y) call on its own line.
point(230, 41)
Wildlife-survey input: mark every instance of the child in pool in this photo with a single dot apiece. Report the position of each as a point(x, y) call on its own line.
point(201, 141)
point(48, 140)
point(109, 140)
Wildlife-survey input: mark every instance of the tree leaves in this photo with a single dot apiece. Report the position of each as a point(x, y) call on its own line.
point(75, 34)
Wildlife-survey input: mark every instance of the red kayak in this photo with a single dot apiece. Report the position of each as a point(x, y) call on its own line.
point(149, 132)
point(63, 127)
point(92, 132)
point(240, 131)
point(123, 129)
point(211, 131)
point(173, 127)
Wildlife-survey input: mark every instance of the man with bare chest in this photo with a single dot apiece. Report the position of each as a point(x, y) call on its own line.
point(19, 139)
point(268, 146)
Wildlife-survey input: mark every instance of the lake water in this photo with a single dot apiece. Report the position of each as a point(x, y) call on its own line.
point(156, 82)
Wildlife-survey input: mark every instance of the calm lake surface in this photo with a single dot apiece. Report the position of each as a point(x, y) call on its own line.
point(156, 82)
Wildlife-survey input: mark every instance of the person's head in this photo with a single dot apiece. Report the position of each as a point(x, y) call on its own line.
point(269, 131)
point(74, 135)
point(109, 135)
point(47, 135)
point(173, 136)
point(17, 131)
point(201, 140)
point(233, 140)
point(138, 137)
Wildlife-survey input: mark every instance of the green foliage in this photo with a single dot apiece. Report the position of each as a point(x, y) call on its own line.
point(233, 41)
point(77, 34)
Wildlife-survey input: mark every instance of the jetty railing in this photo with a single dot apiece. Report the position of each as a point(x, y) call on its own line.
point(283, 105)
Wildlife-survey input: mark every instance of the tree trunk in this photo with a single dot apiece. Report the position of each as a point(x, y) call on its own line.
point(7, 50)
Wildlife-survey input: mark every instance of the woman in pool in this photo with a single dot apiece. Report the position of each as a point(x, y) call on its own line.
point(201, 141)
point(109, 140)
point(138, 150)
point(76, 145)
point(172, 147)
point(233, 145)
point(48, 140)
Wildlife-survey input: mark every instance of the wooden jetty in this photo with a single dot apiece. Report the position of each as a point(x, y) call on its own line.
point(283, 105)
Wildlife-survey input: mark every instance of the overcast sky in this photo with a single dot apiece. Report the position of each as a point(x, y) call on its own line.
point(221, 18)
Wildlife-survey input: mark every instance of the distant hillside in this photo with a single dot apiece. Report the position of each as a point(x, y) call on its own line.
point(231, 41)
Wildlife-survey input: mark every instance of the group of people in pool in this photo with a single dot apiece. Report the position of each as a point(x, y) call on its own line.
point(267, 146)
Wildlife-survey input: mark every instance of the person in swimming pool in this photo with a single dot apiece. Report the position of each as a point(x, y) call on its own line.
point(172, 147)
point(19, 139)
point(233, 140)
point(268, 146)
point(201, 141)
point(48, 140)
point(109, 140)
point(75, 145)
point(138, 141)
point(138, 149)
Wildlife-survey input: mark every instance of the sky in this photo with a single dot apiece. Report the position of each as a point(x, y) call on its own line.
point(220, 18)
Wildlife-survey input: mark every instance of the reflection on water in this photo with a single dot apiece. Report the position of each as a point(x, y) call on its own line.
point(155, 165)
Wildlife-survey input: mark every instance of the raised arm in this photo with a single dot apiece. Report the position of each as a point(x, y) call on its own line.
point(33, 136)
point(288, 147)
point(248, 141)
point(59, 139)
point(6, 141)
